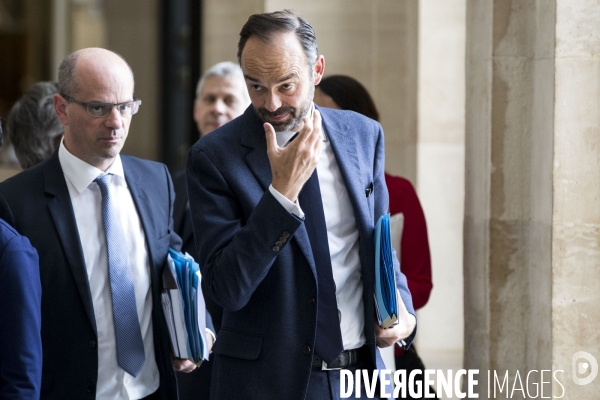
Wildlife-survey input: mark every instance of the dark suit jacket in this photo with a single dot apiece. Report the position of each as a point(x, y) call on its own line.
point(264, 349)
point(20, 321)
point(37, 203)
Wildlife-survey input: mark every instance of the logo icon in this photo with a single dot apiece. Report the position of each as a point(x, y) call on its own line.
point(580, 367)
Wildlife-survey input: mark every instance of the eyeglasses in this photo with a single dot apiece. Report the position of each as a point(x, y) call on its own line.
point(97, 109)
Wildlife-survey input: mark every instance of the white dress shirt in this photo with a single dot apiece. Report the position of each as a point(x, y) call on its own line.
point(113, 382)
point(342, 236)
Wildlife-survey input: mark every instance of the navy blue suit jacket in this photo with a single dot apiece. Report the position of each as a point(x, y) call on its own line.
point(264, 348)
point(37, 203)
point(20, 321)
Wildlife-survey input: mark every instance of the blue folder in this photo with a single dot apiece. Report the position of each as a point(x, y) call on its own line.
point(386, 296)
point(184, 307)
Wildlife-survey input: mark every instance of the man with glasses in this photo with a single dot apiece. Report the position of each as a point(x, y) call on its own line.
point(101, 223)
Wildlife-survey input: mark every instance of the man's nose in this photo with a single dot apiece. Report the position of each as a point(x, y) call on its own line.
point(273, 102)
point(219, 107)
point(114, 119)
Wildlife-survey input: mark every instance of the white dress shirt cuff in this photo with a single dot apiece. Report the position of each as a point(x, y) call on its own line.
point(211, 333)
point(291, 207)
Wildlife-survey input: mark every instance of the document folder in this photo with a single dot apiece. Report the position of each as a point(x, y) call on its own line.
point(184, 307)
point(386, 295)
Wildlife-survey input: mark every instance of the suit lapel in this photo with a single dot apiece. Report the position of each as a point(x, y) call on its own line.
point(345, 149)
point(61, 210)
point(141, 200)
point(253, 137)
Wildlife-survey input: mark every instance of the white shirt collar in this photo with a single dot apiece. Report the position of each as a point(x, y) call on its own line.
point(81, 174)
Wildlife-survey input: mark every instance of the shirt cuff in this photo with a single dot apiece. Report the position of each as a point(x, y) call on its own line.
point(291, 207)
point(211, 333)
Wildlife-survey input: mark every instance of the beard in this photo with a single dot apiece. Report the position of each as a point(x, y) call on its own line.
point(295, 114)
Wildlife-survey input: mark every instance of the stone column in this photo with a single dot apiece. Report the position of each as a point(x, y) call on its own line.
point(440, 175)
point(532, 286)
point(576, 197)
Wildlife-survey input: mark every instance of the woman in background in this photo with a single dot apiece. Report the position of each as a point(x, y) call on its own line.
point(346, 93)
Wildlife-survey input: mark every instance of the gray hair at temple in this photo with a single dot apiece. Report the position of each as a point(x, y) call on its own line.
point(223, 69)
point(32, 125)
point(264, 26)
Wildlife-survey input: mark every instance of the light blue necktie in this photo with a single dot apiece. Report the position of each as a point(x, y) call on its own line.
point(130, 346)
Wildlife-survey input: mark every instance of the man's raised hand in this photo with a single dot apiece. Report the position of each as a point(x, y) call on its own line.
point(292, 165)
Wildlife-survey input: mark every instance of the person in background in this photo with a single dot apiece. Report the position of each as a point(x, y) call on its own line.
point(221, 96)
point(20, 316)
point(346, 93)
point(32, 125)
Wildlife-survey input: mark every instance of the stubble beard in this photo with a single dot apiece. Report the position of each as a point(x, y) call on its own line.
point(296, 115)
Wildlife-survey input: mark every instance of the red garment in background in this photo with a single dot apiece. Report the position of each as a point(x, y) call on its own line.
point(415, 261)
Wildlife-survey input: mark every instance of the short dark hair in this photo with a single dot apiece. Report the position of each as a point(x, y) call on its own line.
point(349, 94)
point(267, 24)
point(32, 125)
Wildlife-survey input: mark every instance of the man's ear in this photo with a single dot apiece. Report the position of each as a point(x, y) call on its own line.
point(60, 107)
point(318, 69)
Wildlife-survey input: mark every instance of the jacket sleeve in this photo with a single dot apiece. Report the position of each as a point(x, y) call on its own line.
point(382, 207)
point(235, 252)
point(20, 319)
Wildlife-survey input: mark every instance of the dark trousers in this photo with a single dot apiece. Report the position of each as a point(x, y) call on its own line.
point(153, 396)
point(325, 385)
point(196, 384)
point(410, 361)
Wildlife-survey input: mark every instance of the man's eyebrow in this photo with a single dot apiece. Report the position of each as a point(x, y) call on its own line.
point(290, 76)
point(285, 78)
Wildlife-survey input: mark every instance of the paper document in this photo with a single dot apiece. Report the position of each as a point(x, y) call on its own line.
point(184, 307)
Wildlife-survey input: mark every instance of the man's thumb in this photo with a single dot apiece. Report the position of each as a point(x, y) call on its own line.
point(270, 135)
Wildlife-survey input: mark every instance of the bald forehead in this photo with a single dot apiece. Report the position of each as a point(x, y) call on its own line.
point(99, 66)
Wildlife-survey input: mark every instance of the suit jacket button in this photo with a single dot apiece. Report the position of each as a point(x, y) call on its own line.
point(278, 243)
point(312, 301)
point(93, 344)
point(285, 235)
point(306, 350)
point(89, 388)
point(282, 239)
point(276, 248)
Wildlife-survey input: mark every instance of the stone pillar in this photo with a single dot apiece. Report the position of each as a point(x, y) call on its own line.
point(440, 175)
point(576, 181)
point(532, 281)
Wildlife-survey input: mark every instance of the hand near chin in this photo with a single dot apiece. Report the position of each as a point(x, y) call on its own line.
point(291, 166)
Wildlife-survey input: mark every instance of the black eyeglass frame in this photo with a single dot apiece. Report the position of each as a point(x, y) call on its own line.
point(87, 106)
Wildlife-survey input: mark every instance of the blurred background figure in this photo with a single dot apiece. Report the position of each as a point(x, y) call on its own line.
point(221, 96)
point(32, 125)
point(20, 316)
point(346, 93)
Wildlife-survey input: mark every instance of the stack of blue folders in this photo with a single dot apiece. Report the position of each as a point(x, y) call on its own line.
point(386, 300)
point(184, 307)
